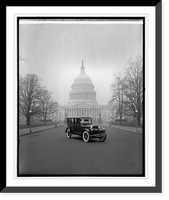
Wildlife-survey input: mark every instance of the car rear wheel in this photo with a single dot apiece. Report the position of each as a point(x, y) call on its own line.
point(103, 138)
point(86, 136)
point(68, 134)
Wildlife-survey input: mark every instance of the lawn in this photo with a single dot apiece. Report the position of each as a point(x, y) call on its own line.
point(125, 123)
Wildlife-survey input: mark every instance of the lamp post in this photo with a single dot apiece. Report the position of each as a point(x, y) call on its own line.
point(136, 111)
point(30, 112)
point(55, 120)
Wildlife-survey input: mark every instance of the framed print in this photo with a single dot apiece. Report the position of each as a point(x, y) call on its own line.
point(85, 106)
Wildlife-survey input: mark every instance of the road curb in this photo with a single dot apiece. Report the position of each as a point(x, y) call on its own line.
point(29, 133)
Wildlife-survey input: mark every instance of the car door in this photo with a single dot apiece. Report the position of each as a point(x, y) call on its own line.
point(78, 128)
point(71, 124)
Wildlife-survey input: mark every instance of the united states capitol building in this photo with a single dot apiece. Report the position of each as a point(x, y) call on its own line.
point(82, 101)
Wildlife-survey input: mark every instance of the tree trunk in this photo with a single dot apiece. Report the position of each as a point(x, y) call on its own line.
point(28, 120)
point(138, 120)
point(45, 119)
point(121, 118)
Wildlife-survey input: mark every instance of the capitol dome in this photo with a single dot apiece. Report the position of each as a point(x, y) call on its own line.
point(82, 89)
point(82, 77)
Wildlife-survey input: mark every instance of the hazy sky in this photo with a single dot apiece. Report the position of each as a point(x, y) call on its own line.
point(55, 53)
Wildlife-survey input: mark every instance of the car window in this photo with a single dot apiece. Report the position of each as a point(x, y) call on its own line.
point(86, 122)
point(78, 120)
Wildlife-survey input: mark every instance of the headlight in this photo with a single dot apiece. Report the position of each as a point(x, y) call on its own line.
point(100, 128)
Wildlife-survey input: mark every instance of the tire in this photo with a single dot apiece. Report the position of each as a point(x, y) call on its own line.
point(68, 134)
point(102, 139)
point(86, 136)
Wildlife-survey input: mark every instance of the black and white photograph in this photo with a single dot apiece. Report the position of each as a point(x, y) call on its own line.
point(81, 97)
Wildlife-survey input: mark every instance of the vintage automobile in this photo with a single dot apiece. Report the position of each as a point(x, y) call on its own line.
point(83, 127)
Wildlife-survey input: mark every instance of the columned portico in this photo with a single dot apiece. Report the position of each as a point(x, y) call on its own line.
point(83, 112)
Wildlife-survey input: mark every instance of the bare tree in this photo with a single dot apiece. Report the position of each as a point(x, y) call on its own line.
point(127, 91)
point(117, 99)
point(49, 106)
point(30, 91)
point(133, 88)
point(23, 59)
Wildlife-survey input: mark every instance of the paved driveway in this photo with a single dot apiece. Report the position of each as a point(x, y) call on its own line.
point(50, 152)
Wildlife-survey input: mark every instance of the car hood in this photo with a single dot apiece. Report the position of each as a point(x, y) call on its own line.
point(89, 126)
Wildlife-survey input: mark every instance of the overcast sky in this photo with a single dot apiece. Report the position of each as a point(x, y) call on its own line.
point(55, 53)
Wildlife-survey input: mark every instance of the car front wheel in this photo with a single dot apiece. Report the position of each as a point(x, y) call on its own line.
point(86, 136)
point(68, 134)
point(103, 138)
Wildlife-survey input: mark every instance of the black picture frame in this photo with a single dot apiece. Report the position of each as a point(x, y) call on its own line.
point(158, 136)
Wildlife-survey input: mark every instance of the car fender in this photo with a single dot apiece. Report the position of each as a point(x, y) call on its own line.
point(66, 129)
point(86, 129)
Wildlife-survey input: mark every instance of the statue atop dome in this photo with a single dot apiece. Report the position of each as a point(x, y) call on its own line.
point(82, 67)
